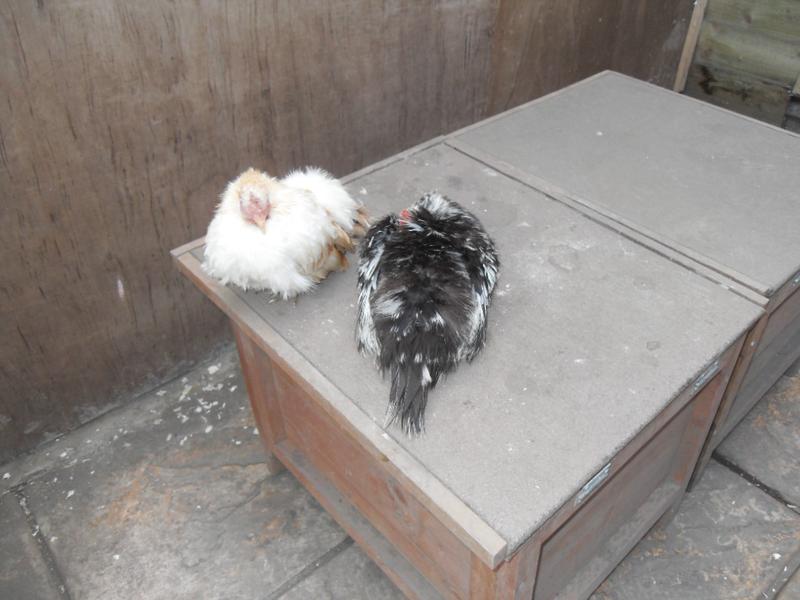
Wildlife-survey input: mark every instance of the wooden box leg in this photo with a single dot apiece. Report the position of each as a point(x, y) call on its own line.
point(258, 377)
point(515, 579)
point(741, 366)
point(697, 431)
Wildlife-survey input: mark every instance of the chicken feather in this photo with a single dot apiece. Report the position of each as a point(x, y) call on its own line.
point(425, 279)
point(283, 235)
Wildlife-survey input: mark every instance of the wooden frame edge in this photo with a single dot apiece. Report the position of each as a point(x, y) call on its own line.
point(477, 535)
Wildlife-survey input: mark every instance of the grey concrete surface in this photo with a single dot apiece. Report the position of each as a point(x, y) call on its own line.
point(767, 441)
point(791, 591)
point(729, 541)
point(24, 571)
point(146, 503)
point(721, 185)
point(351, 575)
point(590, 336)
point(175, 501)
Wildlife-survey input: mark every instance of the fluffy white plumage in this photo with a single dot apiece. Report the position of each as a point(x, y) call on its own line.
point(282, 235)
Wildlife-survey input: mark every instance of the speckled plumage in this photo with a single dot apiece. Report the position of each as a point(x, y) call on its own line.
point(425, 282)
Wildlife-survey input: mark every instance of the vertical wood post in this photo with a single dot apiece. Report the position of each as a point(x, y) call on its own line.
point(692, 35)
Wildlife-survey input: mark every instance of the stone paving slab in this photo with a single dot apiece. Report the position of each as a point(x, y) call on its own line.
point(24, 575)
point(169, 498)
point(351, 575)
point(766, 444)
point(792, 589)
point(729, 540)
point(794, 369)
point(177, 502)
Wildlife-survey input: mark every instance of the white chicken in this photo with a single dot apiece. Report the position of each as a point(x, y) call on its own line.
point(283, 235)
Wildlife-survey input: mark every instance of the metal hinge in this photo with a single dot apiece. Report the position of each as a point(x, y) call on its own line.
point(706, 376)
point(592, 484)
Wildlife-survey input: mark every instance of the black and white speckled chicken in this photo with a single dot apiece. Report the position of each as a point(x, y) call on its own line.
point(425, 279)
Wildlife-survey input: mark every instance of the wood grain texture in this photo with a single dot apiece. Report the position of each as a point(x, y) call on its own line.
point(408, 541)
point(747, 57)
point(120, 123)
point(738, 92)
point(261, 390)
point(690, 44)
point(776, 18)
point(471, 530)
point(540, 46)
point(738, 373)
point(382, 499)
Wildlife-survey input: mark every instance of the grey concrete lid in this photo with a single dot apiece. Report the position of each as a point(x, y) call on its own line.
point(590, 337)
point(722, 186)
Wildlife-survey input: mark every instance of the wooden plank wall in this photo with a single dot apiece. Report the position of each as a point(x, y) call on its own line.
point(541, 46)
point(748, 57)
point(121, 121)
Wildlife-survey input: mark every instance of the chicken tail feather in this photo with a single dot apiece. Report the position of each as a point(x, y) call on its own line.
point(408, 397)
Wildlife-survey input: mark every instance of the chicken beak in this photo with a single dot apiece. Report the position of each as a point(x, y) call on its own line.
point(261, 221)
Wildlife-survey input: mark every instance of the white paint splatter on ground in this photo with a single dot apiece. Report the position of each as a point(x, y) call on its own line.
point(209, 428)
point(213, 369)
point(70, 493)
point(6, 475)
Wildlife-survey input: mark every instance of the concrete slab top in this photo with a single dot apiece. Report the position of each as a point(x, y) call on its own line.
point(590, 337)
point(722, 186)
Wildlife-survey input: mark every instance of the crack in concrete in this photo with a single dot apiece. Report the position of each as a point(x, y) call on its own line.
point(49, 559)
point(225, 512)
point(306, 571)
point(770, 491)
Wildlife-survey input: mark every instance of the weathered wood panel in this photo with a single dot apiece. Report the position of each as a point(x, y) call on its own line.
point(121, 121)
point(748, 57)
point(542, 45)
point(738, 92)
point(120, 124)
point(747, 50)
point(775, 18)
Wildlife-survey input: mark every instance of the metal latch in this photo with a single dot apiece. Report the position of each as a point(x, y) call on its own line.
point(706, 376)
point(590, 486)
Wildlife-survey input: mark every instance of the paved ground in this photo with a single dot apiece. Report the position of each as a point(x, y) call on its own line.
point(169, 498)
